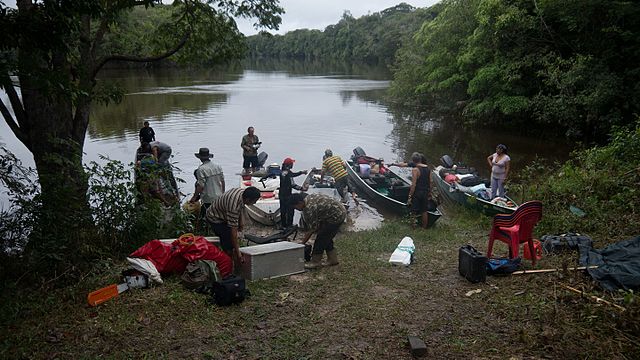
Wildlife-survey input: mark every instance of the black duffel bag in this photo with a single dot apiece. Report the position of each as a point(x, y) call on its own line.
point(231, 290)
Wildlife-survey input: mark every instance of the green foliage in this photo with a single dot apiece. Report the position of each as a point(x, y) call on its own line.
point(16, 221)
point(122, 221)
point(372, 38)
point(570, 66)
point(601, 181)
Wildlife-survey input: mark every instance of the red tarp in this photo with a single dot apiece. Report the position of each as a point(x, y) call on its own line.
point(174, 257)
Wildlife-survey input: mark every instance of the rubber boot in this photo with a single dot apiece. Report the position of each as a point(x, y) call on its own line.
point(316, 262)
point(332, 257)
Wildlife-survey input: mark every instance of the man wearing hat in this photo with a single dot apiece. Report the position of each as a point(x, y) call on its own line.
point(209, 181)
point(286, 185)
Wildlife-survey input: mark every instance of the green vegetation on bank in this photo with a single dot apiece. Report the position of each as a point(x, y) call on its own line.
point(363, 308)
point(563, 66)
point(371, 39)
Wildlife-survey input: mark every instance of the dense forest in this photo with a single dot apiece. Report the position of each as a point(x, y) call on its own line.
point(565, 67)
point(570, 66)
point(372, 39)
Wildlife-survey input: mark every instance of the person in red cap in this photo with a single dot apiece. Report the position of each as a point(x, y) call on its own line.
point(286, 185)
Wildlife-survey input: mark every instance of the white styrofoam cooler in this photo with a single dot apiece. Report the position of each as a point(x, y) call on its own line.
point(272, 260)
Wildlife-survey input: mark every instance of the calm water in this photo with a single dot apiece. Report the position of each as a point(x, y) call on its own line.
point(297, 111)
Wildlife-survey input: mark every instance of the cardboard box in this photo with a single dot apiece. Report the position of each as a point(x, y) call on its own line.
point(272, 260)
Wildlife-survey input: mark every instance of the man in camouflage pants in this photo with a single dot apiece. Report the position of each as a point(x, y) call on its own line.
point(323, 215)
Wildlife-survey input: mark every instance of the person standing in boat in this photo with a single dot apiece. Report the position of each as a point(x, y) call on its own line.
point(209, 181)
point(147, 134)
point(335, 166)
point(250, 144)
point(499, 162)
point(225, 216)
point(284, 193)
point(420, 191)
point(324, 216)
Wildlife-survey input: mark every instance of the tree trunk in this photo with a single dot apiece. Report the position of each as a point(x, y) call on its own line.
point(53, 125)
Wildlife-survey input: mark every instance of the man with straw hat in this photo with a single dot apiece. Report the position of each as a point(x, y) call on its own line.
point(209, 181)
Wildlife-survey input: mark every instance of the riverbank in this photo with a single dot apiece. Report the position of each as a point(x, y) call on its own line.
point(361, 309)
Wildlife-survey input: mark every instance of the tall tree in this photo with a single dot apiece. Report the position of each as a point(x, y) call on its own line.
point(51, 52)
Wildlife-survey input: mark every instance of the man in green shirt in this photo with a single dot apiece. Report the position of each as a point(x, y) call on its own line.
point(250, 144)
point(323, 215)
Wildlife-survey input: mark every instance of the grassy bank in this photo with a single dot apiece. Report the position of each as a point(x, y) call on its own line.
point(361, 309)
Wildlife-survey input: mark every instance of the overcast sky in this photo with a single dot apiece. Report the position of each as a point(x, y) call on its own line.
point(318, 14)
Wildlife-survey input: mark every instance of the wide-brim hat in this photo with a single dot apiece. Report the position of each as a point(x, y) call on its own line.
point(203, 153)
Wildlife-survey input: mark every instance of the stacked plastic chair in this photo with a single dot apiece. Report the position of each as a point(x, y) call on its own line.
point(516, 228)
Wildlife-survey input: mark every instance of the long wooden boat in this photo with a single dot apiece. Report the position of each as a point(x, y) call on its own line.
point(315, 186)
point(389, 191)
point(146, 170)
point(266, 210)
point(467, 196)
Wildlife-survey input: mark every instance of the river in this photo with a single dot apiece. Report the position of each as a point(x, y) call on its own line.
point(297, 111)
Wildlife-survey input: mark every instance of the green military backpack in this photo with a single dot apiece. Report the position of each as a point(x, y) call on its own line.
point(201, 275)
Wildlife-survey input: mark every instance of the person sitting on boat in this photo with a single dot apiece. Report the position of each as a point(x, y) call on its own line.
point(499, 162)
point(335, 166)
point(225, 218)
point(143, 151)
point(152, 182)
point(420, 191)
point(324, 216)
point(209, 181)
point(286, 185)
point(250, 144)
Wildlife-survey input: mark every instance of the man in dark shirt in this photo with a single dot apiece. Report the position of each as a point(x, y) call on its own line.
point(287, 184)
point(147, 134)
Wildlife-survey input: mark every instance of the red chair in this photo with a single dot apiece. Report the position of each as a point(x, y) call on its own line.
point(515, 229)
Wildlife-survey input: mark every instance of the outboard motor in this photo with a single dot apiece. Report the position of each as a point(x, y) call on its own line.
point(357, 152)
point(262, 158)
point(446, 161)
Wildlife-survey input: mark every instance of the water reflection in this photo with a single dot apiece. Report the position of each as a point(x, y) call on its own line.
point(298, 110)
point(435, 137)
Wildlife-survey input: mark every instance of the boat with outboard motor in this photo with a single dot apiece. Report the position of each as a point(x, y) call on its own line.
point(466, 188)
point(266, 210)
point(386, 188)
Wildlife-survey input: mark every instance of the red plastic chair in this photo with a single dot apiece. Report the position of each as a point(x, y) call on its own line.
point(515, 229)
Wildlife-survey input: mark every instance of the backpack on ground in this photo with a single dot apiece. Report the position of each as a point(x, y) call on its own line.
point(231, 290)
point(201, 275)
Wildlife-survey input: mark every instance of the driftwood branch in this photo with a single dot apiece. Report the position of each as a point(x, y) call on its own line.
point(593, 297)
point(165, 55)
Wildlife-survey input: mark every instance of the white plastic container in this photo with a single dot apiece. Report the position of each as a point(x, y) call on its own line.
point(403, 254)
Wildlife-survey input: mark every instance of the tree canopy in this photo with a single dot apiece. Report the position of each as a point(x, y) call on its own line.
point(371, 38)
point(570, 66)
point(50, 54)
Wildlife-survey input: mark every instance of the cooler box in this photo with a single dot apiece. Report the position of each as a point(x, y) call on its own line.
point(272, 260)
